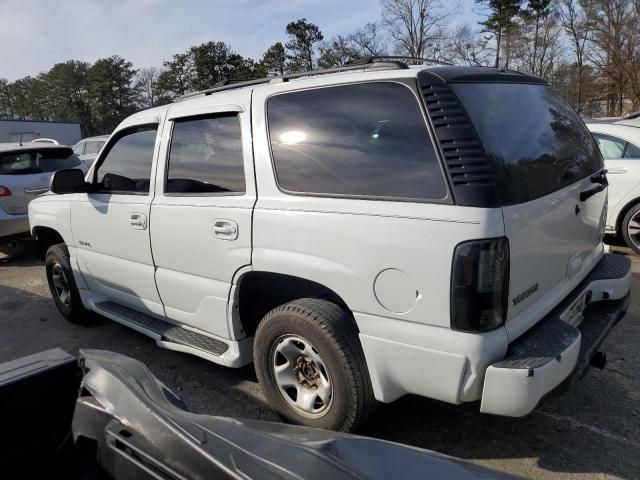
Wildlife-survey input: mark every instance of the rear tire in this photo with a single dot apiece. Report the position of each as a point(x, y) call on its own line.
point(62, 285)
point(311, 366)
point(631, 228)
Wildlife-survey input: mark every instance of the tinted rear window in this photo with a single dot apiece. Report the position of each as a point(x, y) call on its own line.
point(538, 143)
point(361, 140)
point(37, 161)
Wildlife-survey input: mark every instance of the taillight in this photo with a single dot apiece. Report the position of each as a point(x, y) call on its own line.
point(4, 191)
point(480, 285)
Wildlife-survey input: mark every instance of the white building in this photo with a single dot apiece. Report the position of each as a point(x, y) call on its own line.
point(65, 133)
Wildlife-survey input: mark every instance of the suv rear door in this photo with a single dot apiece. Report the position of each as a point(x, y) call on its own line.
point(201, 214)
point(545, 159)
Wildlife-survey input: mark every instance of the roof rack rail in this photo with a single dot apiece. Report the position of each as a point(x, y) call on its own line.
point(227, 84)
point(396, 58)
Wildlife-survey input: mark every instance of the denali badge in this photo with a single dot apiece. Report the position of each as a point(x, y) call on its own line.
point(527, 293)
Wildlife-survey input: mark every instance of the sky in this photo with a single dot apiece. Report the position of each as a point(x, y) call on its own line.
point(36, 34)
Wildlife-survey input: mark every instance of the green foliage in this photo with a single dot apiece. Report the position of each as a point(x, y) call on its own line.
point(303, 36)
point(111, 94)
point(503, 14)
point(273, 61)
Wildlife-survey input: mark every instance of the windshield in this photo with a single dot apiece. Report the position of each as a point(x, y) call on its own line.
point(538, 143)
point(37, 161)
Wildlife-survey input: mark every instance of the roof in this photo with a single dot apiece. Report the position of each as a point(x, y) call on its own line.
point(630, 133)
point(355, 73)
point(457, 74)
point(26, 146)
point(448, 73)
point(37, 121)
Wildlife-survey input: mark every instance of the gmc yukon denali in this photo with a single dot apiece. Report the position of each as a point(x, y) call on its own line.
point(358, 235)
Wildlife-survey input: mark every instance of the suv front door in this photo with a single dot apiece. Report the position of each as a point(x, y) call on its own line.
point(110, 224)
point(201, 214)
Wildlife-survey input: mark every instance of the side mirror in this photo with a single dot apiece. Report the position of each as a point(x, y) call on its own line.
point(68, 181)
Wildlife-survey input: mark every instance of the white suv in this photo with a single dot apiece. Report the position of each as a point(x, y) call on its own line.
point(359, 235)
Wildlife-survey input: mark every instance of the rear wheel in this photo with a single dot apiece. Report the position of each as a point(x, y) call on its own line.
point(311, 366)
point(62, 285)
point(631, 228)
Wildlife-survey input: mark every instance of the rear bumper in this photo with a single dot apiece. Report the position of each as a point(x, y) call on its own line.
point(11, 225)
point(541, 359)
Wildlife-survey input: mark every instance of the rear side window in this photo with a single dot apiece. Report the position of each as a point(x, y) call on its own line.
point(206, 156)
point(37, 161)
point(126, 167)
point(361, 140)
point(93, 147)
point(632, 151)
point(538, 144)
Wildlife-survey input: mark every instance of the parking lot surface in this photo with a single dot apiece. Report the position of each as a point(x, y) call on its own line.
point(592, 431)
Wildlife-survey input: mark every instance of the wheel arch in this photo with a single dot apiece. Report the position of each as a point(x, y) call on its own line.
point(45, 238)
point(259, 292)
point(623, 211)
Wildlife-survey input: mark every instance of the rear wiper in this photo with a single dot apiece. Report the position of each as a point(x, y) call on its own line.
point(600, 179)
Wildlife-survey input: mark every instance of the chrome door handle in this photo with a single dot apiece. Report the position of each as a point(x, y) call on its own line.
point(225, 229)
point(36, 191)
point(138, 221)
point(617, 170)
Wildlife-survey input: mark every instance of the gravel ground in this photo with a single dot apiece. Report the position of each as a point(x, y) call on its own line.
point(592, 431)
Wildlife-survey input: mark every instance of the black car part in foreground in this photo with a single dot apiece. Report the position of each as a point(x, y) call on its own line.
point(118, 421)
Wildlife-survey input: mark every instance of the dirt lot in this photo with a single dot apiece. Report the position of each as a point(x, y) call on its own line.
point(593, 431)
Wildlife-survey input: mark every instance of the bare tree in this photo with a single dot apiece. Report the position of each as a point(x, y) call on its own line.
point(466, 47)
point(337, 52)
point(417, 27)
point(609, 37)
point(538, 44)
point(368, 41)
point(577, 28)
point(146, 84)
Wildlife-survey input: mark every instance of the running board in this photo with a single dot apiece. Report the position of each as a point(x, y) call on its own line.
point(168, 332)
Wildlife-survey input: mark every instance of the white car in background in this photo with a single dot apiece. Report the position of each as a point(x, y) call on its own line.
point(87, 149)
point(619, 143)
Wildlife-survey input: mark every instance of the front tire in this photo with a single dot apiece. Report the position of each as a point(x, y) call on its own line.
point(63, 287)
point(631, 228)
point(311, 366)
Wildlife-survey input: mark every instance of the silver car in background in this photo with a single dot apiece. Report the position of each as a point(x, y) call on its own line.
point(87, 149)
point(25, 171)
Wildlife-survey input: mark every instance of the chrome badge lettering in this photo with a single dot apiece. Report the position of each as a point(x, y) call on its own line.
point(526, 294)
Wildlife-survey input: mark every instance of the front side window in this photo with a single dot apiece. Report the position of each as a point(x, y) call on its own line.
point(206, 156)
point(611, 148)
point(360, 140)
point(37, 161)
point(126, 167)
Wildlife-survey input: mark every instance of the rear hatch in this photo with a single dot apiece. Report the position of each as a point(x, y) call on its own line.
point(25, 173)
point(544, 158)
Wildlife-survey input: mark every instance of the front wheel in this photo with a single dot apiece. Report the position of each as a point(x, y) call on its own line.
point(311, 366)
point(62, 285)
point(631, 228)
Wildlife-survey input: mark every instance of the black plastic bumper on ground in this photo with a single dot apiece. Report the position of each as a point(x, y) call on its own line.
point(552, 336)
